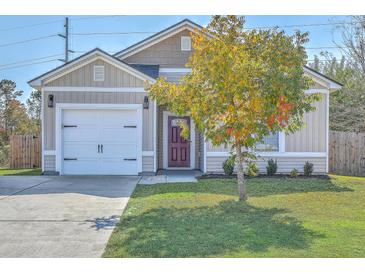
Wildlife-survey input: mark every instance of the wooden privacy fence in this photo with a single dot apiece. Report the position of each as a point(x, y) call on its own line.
point(25, 151)
point(347, 153)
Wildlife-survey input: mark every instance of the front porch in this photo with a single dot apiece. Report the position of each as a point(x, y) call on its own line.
point(171, 176)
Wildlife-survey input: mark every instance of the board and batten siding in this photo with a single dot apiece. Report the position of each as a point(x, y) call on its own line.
point(166, 53)
point(84, 77)
point(312, 137)
point(79, 97)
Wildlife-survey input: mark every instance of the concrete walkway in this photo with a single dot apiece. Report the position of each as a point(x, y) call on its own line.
point(171, 176)
point(44, 216)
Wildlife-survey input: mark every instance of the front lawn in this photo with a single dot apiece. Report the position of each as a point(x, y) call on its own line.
point(8, 172)
point(283, 218)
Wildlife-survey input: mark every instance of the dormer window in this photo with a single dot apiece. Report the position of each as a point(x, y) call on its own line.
point(185, 43)
point(99, 73)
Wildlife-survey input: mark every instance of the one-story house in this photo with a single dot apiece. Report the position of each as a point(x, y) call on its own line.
point(97, 117)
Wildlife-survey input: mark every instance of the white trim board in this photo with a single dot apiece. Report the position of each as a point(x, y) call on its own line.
point(42, 130)
point(148, 153)
point(165, 142)
point(171, 70)
point(93, 89)
point(58, 127)
point(274, 154)
point(49, 152)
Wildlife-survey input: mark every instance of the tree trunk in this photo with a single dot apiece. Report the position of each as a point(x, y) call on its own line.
point(240, 174)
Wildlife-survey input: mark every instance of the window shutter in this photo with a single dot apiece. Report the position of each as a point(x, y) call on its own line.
point(185, 43)
point(99, 73)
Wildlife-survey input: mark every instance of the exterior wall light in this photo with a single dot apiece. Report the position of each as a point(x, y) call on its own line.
point(146, 102)
point(50, 100)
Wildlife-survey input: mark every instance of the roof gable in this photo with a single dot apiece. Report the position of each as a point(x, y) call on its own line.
point(83, 60)
point(158, 37)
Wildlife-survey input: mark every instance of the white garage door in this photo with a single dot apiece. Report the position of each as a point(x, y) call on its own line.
point(100, 142)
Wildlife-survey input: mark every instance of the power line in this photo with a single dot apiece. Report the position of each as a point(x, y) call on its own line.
point(306, 25)
point(30, 64)
point(94, 17)
point(57, 21)
point(114, 33)
point(30, 26)
point(30, 60)
point(26, 41)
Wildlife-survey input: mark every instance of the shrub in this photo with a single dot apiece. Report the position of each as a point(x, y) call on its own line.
point(228, 165)
point(272, 167)
point(252, 169)
point(308, 169)
point(294, 173)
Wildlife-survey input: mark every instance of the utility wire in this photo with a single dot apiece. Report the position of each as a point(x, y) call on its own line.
point(30, 60)
point(113, 33)
point(29, 40)
point(57, 21)
point(30, 26)
point(30, 64)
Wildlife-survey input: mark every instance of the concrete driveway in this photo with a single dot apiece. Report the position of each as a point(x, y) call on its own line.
point(60, 216)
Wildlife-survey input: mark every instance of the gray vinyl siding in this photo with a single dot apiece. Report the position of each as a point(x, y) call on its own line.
point(173, 77)
point(166, 53)
point(201, 152)
point(49, 163)
point(285, 164)
point(84, 77)
point(147, 164)
point(97, 98)
point(312, 137)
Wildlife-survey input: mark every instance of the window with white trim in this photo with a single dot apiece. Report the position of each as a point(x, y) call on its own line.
point(185, 43)
point(269, 143)
point(99, 73)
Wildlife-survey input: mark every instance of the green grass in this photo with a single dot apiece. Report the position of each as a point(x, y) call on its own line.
point(8, 172)
point(282, 218)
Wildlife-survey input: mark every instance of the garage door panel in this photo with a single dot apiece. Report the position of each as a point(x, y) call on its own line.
point(73, 116)
point(78, 149)
point(118, 167)
point(116, 133)
point(117, 117)
point(119, 134)
point(81, 167)
point(80, 134)
point(119, 150)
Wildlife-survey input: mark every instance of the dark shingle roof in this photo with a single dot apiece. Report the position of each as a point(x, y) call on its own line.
point(150, 70)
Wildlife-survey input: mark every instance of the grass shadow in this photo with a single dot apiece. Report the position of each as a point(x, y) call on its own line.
point(256, 187)
point(207, 231)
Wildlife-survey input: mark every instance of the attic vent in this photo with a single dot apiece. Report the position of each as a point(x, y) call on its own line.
point(185, 43)
point(98, 73)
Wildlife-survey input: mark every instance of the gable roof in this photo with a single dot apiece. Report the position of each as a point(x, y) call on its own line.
point(96, 53)
point(162, 35)
point(333, 84)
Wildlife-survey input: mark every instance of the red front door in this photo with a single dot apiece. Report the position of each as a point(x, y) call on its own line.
point(178, 147)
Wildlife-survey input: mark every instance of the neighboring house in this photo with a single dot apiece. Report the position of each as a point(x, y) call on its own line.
point(97, 117)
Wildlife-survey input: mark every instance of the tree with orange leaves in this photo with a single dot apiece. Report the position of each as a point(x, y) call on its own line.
point(243, 86)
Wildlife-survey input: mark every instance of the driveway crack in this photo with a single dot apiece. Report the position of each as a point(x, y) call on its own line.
point(22, 190)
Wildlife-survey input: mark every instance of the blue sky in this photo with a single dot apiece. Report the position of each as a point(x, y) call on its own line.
point(49, 25)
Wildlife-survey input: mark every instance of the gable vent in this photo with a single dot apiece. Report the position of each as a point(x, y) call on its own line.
point(185, 43)
point(99, 73)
